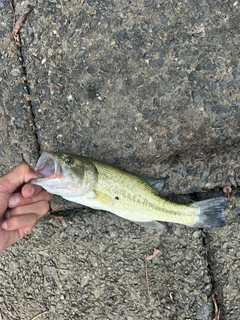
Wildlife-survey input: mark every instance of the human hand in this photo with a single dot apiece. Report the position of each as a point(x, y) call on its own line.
point(19, 211)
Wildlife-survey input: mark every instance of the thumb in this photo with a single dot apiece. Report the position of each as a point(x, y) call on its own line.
point(16, 177)
point(11, 181)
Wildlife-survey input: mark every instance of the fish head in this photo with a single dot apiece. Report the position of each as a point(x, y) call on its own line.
point(65, 174)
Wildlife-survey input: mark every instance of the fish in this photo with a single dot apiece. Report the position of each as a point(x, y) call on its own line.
point(101, 186)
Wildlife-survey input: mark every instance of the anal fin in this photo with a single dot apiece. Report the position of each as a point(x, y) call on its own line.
point(155, 225)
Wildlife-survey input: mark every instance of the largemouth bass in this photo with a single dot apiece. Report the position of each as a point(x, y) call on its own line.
point(101, 186)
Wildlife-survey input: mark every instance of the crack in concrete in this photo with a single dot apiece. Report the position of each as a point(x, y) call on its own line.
point(215, 302)
point(27, 88)
point(26, 85)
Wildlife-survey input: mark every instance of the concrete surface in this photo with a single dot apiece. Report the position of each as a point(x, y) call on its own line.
point(17, 139)
point(151, 87)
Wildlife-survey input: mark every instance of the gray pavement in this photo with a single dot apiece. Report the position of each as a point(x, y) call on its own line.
point(152, 87)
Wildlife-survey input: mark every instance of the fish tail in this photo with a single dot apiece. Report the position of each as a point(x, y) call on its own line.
point(209, 213)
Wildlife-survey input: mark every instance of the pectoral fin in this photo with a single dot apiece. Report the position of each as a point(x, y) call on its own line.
point(157, 184)
point(103, 198)
point(155, 225)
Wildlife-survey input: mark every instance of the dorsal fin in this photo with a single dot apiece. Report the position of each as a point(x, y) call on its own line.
point(156, 183)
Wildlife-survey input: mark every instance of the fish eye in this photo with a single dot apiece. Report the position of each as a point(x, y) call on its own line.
point(69, 161)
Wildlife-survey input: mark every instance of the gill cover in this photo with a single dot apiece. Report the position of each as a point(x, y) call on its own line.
point(78, 167)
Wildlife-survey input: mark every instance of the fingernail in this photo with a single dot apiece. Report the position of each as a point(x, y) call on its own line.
point(29, 190)
point(14, 199)
point(4, 225)
point(7, 214)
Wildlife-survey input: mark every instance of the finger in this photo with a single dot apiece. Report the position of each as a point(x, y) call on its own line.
point(15, 178)
point(30, 190)
point(26, 221)
point(18, 200)
point(38, 208)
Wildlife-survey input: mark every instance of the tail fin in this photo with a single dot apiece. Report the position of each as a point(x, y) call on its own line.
point(210, 213)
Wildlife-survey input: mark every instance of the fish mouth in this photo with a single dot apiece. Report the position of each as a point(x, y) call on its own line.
point(48, 166)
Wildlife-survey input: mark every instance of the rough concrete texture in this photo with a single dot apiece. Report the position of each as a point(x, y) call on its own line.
point(93, 267)
point(151, 87)
point(17, 140)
